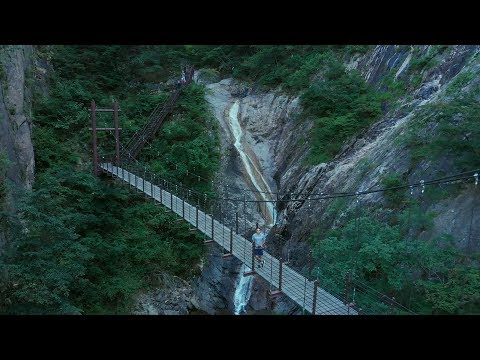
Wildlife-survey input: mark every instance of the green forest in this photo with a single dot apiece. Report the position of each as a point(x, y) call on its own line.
point(91, 245)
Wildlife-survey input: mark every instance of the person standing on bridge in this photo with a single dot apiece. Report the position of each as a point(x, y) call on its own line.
point(259, 239)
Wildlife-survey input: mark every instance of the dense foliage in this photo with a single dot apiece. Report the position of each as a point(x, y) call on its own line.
point(186, 144)
point(448, 130)
point(90, 245)
point(342, 105)
point(289, 66)
point(428, 276)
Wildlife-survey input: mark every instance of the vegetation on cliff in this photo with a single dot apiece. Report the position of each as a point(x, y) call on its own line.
point(89, 245)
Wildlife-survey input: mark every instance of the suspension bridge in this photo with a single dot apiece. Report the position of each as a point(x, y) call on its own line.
point(307, 293)
point(302, 291)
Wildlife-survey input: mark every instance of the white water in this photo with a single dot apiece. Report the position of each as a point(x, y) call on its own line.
point(248, 163)
point(242, 291)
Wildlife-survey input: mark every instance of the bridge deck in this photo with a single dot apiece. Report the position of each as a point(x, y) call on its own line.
point(294, 285)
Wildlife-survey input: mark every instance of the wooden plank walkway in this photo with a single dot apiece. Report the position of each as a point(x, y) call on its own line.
point(295, 286)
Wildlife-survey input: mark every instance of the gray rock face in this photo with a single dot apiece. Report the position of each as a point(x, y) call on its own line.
point(261, 302)
point(16, 80)
point(209, 293)
point(264, 119)
point(280, 145)
point(371, 154)
point(213, 290)
point(459, 216)
point(259, 299)
point(172, 298)
point(15, 111)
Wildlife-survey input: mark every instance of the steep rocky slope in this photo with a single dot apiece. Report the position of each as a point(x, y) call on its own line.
point(279, 139)
point(17, 69)
point(377, 151)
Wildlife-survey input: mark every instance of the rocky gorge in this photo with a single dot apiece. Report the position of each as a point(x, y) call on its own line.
point(279, 142)
point(265, 140)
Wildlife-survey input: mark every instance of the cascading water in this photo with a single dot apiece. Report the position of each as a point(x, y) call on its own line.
point(242, 291)
point(254, 174)
point(244, 286)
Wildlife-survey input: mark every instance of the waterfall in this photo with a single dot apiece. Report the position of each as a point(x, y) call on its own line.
point(242, 291)
point(254, 174)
